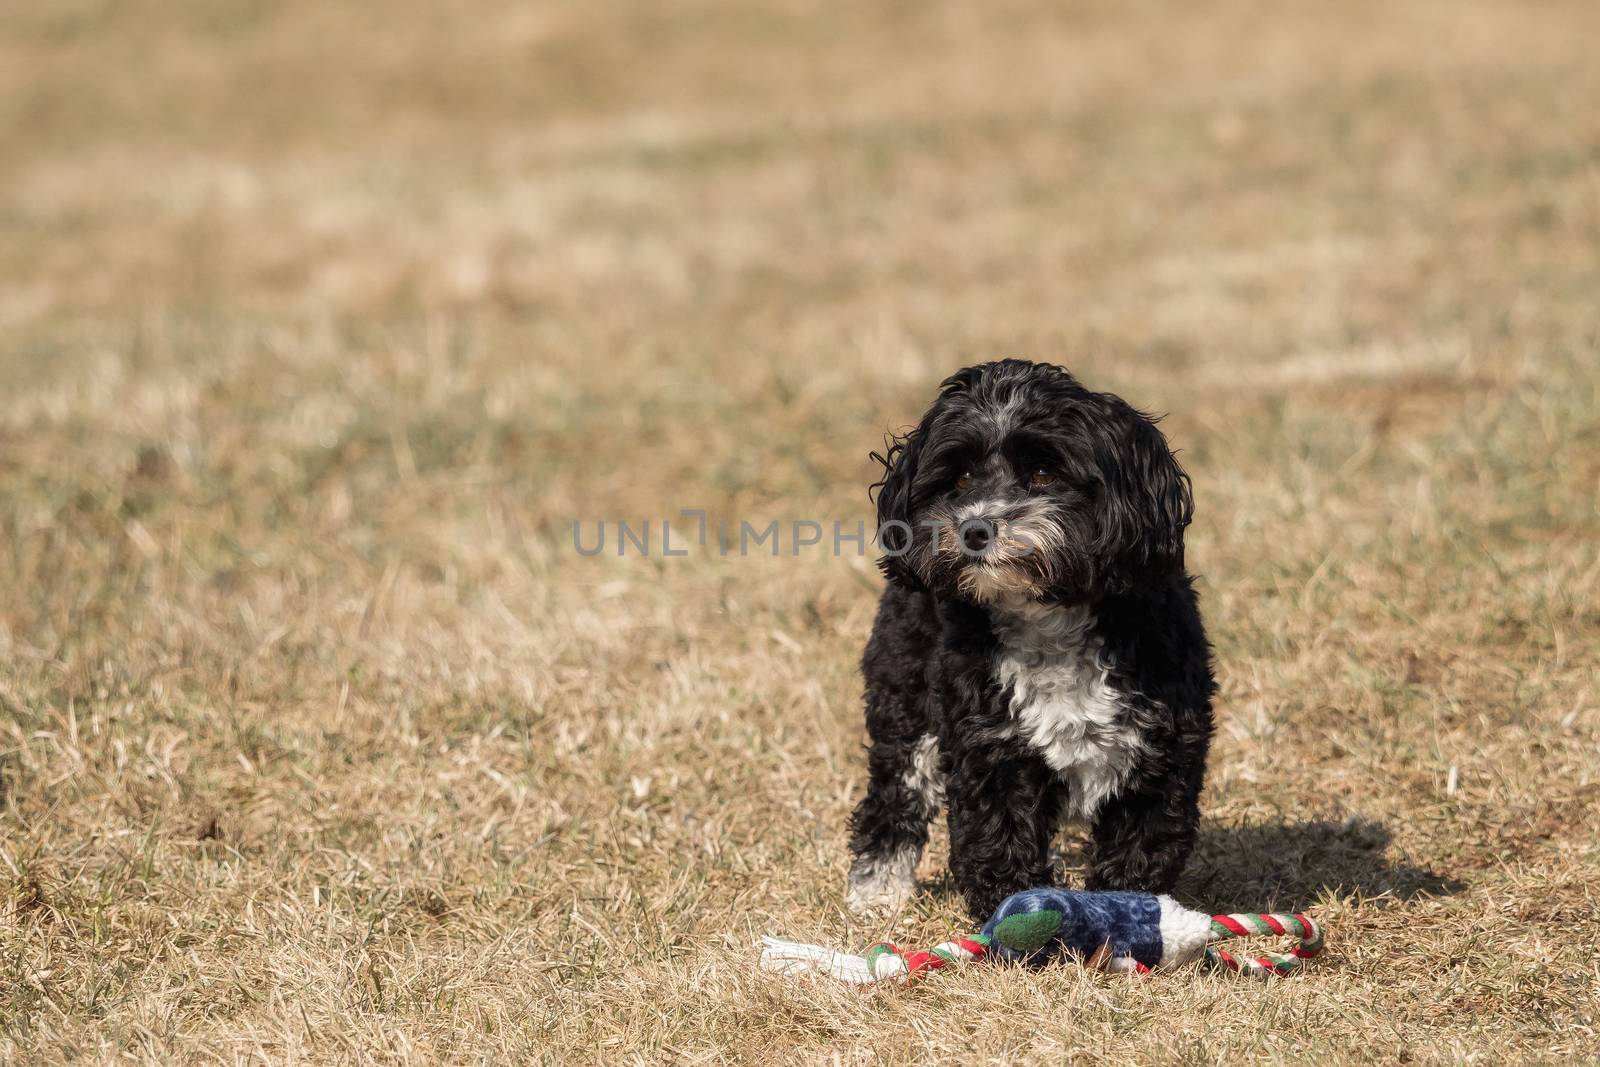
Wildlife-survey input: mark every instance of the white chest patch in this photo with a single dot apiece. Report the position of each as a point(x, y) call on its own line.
point(1062, 702)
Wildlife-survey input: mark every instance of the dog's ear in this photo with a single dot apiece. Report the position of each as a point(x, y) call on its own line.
point(1169, 498)
point(1148, 498)
point(895, 528)
point(896, 491)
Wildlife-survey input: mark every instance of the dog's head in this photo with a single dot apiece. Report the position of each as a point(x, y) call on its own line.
point(1019, 483)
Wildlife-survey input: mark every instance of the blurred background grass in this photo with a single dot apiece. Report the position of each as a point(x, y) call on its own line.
point(320, 323)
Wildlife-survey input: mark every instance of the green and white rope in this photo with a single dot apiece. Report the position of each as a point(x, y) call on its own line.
point(1247, 924)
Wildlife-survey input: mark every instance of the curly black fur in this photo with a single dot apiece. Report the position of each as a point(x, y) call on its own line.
point(1038, 652)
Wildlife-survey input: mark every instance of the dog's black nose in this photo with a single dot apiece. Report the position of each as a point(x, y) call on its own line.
point(975, 535)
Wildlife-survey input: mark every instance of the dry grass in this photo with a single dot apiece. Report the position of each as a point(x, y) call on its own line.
point(318, 325)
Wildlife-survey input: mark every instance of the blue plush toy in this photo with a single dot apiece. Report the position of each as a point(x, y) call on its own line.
point(1115, 931)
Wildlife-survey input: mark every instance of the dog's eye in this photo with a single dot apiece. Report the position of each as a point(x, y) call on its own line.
point(1038, 478)
point(964, 482)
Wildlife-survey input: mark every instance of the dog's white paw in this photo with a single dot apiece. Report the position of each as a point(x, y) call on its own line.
point(881, 885)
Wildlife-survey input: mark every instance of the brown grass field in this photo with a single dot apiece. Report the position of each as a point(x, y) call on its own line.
point(321, 322)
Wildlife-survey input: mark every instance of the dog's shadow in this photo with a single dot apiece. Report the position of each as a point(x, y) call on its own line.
point(1280, 865)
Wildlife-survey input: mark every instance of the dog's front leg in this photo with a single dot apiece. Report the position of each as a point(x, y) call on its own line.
point(890, 826)
point(1003, 811)
point(1142, 839)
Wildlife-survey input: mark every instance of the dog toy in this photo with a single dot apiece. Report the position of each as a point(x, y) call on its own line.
point(1113, 931)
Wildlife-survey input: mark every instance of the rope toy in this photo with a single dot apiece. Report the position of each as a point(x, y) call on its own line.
point(1112, 931)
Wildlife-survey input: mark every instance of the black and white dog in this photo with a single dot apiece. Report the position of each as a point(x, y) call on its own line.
point(1038, 652)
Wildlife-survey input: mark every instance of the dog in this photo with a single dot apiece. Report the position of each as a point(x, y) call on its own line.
point(1038, 652)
